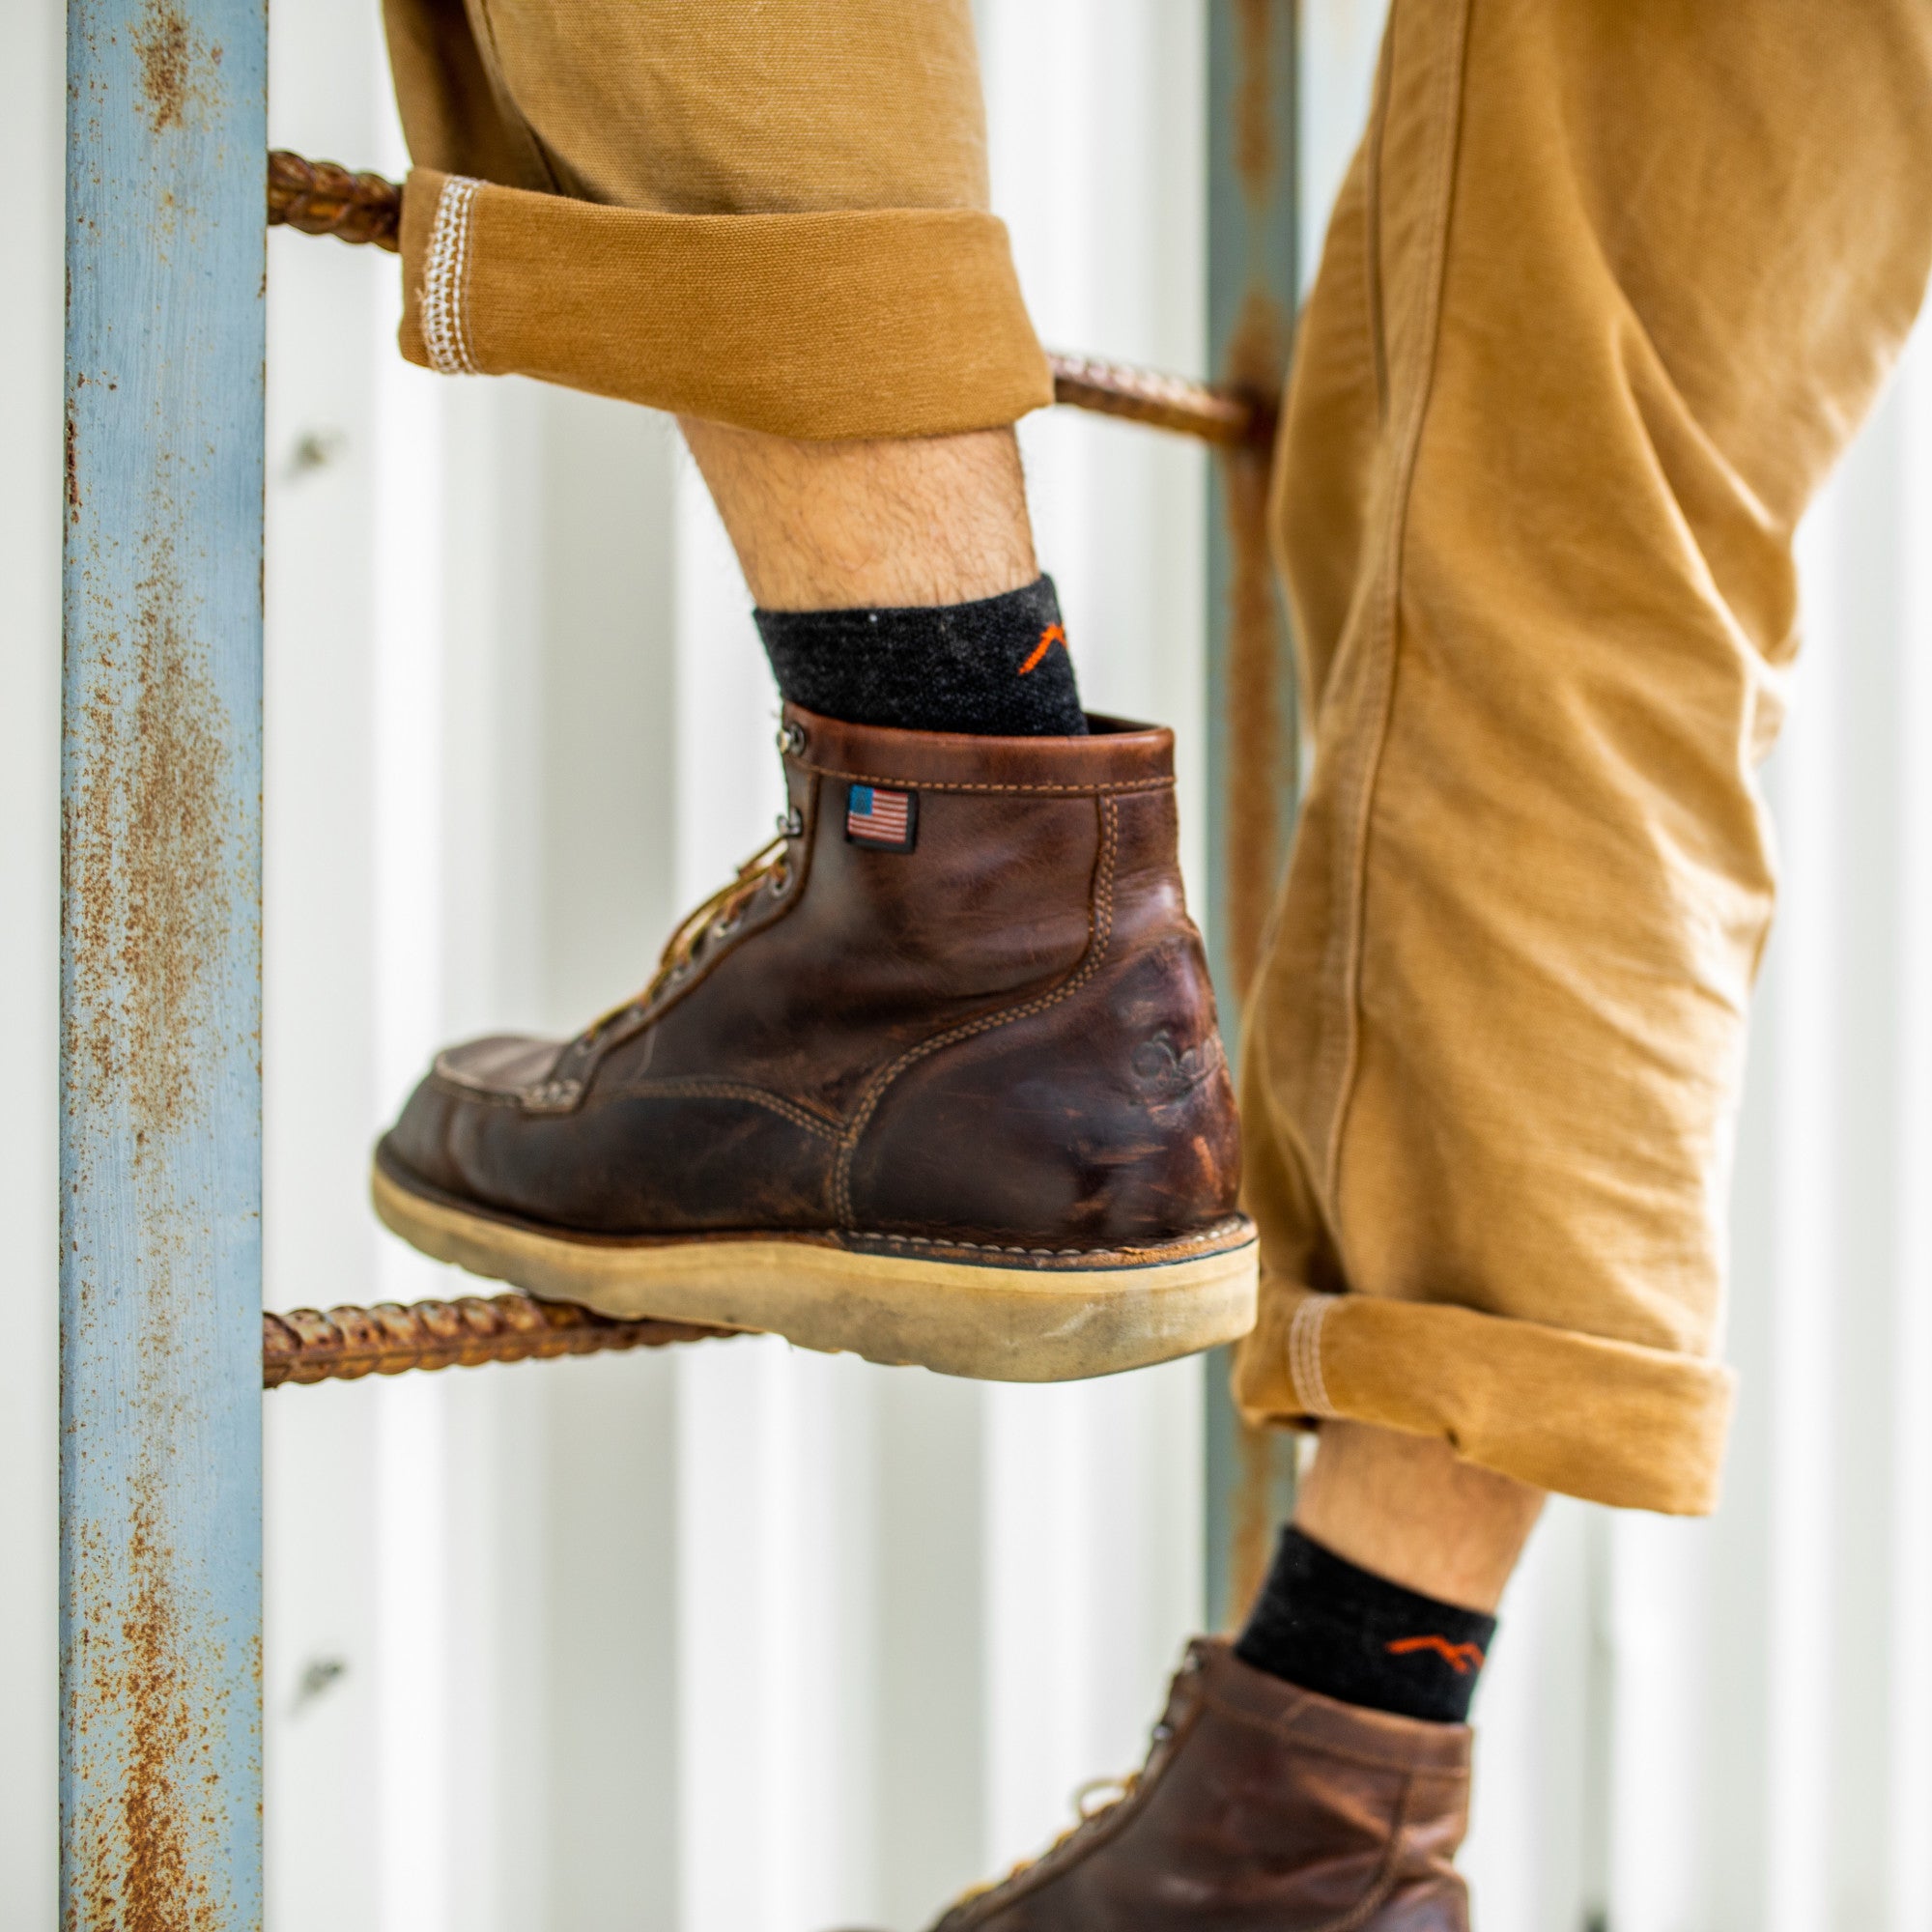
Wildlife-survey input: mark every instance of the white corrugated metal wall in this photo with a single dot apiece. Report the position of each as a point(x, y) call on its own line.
point(742, 1638)
point(736, 1638)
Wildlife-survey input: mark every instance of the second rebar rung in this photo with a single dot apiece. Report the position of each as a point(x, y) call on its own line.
point(347, 1342)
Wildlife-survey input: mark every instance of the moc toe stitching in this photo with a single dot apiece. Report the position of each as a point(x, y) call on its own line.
point(678, 1088)
point(466, 1096)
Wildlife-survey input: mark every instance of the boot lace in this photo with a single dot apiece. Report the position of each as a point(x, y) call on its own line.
point(767, 870)
point(1091, 1802)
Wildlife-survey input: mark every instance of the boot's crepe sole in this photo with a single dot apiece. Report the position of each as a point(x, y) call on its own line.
point(992, 1315)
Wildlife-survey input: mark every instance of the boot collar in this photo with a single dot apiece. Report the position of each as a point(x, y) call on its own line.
point(1119, 757)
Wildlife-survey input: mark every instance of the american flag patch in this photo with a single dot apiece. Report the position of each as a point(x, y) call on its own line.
point(883, 819)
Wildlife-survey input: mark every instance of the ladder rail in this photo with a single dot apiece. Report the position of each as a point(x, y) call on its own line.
point(160, 1272)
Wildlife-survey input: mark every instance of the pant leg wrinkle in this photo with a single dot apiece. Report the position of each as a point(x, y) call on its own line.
point(1540, 573)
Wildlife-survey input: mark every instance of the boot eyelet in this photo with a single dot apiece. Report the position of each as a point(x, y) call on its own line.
point(781, 882)
point(791, 739)
point(725, 928)
point(791, 824)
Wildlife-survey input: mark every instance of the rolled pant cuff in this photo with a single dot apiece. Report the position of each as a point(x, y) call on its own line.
point(869, 323)
point(1612, 1422)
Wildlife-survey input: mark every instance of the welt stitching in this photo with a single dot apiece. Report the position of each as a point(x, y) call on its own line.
point(732, 1090)
point(1100, 932)
point(1201, 1238)
point(935, 784)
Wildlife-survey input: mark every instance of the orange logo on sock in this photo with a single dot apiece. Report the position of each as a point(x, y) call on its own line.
point(1461, 1657)
point(1048, 638)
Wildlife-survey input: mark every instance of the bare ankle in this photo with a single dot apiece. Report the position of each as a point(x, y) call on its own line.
point(1408, 1508)
point(835, 526)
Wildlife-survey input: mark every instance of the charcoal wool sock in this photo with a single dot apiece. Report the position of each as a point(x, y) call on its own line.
point(1328, 1626)
point(996, 667)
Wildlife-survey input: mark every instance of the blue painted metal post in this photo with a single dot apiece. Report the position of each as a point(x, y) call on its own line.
point(161, 953)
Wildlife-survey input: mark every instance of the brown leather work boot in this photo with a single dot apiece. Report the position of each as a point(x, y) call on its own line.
point(935, 1079)
point(1261, 1808)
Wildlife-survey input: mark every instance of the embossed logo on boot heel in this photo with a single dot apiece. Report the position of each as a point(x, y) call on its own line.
point(1168, 1071)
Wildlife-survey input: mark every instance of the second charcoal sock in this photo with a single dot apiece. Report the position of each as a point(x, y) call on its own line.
point(1329, 1626)
point(996, 667)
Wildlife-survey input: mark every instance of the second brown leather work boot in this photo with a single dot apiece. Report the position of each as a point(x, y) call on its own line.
point(1261, 1808)
point(936, 1079)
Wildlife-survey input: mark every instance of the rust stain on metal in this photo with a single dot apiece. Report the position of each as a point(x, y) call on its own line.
point(72, 463)
point(160, 1584)
point(146, 1866)
point(163, 47)
point(167, 1739)
point(348, 1343)
point(177, 67)
point(147, 861)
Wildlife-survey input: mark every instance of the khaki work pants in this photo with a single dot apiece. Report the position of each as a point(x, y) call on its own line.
point(1609, 288)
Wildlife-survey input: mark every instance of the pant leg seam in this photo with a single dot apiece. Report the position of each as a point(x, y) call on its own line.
point(507, 98)
point(1388, 594)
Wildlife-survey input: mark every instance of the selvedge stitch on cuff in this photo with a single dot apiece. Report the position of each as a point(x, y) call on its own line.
point(754, 320)
point(445, 329)
point(1304, 1353)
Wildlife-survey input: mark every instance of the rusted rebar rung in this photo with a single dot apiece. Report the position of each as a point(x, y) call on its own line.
point(322, 198)
point(1230, 418)
point(345, 1343)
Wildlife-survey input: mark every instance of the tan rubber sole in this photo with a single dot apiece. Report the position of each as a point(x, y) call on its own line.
point(1060, 1318)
